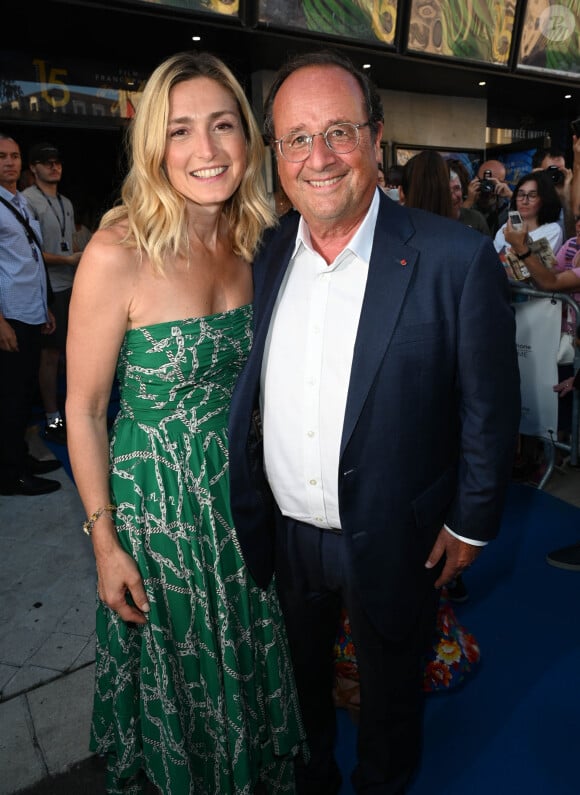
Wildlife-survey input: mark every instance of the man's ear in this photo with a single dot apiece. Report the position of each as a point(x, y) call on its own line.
point(378, 140)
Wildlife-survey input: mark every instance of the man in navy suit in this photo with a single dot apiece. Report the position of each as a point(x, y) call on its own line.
point(373, 429)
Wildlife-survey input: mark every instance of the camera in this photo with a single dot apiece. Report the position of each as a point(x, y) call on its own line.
point(485, 184)
point(555, 174)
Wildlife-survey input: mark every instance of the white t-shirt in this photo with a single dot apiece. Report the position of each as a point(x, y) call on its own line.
point(57, 222)
point(551, 231)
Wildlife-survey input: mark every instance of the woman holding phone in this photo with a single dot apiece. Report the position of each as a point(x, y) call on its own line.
point(537, 202)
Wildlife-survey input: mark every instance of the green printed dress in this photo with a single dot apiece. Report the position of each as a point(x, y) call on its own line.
point(201, 699)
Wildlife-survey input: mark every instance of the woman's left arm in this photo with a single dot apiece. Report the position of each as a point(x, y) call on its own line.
point(543, 277)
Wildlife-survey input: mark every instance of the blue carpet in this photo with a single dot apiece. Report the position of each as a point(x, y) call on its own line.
point(514, 725)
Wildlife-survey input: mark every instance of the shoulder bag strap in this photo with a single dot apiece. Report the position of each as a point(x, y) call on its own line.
point(31, 235)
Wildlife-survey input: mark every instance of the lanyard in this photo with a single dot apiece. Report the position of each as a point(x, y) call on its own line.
point(61, 224)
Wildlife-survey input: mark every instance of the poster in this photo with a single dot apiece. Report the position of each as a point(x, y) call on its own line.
point(229, 7)
point(476, 31)
point(537, 338)
point(550, 39)
point(364, 20)
point(36, 89)
point(471, 159)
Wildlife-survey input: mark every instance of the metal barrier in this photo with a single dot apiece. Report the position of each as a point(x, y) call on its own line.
point(550, 446)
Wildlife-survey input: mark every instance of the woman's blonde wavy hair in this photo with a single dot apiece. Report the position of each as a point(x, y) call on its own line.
point(152, 209)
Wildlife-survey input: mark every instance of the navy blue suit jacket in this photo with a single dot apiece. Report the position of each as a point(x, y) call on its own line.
point(432, 411)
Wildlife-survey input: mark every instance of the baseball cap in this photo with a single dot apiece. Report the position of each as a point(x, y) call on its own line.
point(41, 153)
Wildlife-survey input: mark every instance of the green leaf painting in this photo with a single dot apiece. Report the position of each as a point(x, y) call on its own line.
point(477, 30)
point(366, 20)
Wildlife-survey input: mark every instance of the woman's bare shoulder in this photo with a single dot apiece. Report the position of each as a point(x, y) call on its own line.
point(110, 236)
point(107, 255)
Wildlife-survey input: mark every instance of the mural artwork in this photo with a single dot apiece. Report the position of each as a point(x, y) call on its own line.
point(366, 20)
point(550, 37)
point(475, 30)
point(215, 6)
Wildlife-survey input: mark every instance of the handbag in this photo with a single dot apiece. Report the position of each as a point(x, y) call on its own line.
point(452, 654)
point(566, 348)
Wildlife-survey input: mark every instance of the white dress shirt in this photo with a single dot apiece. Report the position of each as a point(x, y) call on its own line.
point(306, 373)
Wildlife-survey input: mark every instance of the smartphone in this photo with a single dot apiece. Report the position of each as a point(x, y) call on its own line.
point(516, 220)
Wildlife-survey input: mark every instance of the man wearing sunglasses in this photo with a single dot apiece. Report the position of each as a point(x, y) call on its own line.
point(56, 216)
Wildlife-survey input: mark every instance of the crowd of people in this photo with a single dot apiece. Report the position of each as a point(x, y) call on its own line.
point(40, 248)
point(279, 365)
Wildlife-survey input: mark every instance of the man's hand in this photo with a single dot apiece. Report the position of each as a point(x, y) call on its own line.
point(50, 326)
point(563, 187)
point(458, 556)
point(72, 260)
point(473, 191)
point(568, 177)
point(8, 340)
point(75, 258)
point(503, 190)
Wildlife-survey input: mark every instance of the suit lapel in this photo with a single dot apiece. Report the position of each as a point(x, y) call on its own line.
point(390, 270)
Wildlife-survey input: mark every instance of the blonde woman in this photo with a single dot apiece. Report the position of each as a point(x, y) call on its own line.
point(194, 691)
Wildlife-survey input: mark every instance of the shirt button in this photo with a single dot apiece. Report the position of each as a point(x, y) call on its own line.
point(310, 434)
point(312, 482)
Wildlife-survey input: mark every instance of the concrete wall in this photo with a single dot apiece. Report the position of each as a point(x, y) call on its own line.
point(414, 119)
point(433, 120)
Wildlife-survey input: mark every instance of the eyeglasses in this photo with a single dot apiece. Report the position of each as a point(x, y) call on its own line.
point(340, 138)
point(527, 197)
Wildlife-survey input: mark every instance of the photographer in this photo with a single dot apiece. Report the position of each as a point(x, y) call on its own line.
point(468, 216)
point(490, 194)
point(552, 161)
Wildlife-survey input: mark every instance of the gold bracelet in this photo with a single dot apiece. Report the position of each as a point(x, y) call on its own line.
point(90, 523)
